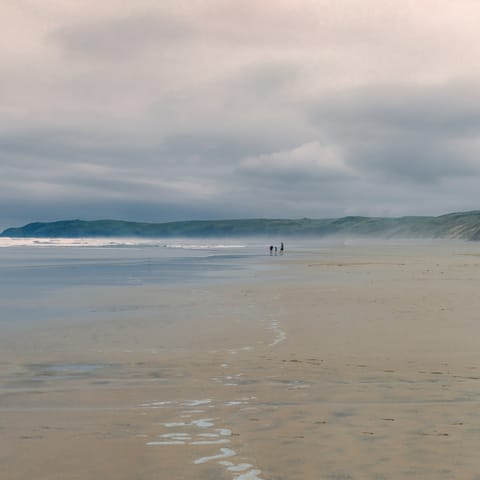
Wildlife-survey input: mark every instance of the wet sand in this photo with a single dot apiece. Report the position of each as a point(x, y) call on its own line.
point(363, 363)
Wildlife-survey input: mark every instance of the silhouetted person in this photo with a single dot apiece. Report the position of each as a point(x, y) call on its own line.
point(282, 248)
point(271, 249)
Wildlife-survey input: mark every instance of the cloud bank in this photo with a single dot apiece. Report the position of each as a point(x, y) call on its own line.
point(170, 110)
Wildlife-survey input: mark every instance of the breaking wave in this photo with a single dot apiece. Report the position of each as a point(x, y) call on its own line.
point(114, 243)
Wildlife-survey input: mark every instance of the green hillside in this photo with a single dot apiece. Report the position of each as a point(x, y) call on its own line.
point(463, 225)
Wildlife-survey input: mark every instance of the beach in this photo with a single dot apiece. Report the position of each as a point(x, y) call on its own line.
point(355, 360)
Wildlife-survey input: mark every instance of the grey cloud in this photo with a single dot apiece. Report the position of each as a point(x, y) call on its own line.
point(77, 169)
point(451, 108)
point(71, 145)
point(299, 167)
point(164, 110)
point(123, 148)
point(424, 161)
point(123, 36)
point(414, 134)
point(262, 80)
point(213, 149)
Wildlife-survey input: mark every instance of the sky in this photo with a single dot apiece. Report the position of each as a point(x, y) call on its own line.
point(175, 110)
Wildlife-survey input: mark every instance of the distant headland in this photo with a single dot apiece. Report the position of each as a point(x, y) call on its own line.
point(460, 225)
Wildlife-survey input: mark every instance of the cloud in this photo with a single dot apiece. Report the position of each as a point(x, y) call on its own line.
point(405, 133)
point(237, 109)
point(309, 162)
point(124, 36)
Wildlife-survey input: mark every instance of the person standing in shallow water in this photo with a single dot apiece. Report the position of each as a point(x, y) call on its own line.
point(282, 248)
point(271, 249)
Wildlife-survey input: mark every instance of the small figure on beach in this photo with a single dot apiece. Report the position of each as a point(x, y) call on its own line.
point(282, 248)
point(276, 249)
point(271, 249)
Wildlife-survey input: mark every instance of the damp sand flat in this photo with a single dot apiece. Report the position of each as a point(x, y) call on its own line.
point(363, 363)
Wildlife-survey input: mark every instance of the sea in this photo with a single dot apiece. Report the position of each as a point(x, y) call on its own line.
point(39, 275)
point(49, 279)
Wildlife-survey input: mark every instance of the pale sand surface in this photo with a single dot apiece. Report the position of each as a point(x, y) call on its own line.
point(360, 364)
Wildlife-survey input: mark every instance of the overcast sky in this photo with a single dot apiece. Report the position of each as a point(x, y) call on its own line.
point(164, 110)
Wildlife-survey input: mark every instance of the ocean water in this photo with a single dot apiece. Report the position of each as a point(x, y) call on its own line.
point(43, 280)
point(39, 276)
